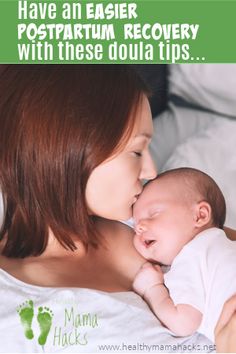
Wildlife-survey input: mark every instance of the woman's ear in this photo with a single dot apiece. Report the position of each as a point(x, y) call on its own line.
point(202, 214)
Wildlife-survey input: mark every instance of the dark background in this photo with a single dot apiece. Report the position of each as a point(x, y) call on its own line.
point(155, 75)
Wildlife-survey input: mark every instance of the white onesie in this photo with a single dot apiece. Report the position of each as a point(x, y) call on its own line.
point(203, 275)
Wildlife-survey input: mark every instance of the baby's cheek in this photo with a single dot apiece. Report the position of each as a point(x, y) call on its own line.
point(137, 244)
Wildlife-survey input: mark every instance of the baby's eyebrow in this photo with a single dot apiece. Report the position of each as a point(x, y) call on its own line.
point(155, 206)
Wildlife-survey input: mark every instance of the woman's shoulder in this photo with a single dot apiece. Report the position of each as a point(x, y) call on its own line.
point(3, 259)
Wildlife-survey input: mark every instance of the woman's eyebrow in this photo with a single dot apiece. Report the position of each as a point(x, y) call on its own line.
point(145, 135)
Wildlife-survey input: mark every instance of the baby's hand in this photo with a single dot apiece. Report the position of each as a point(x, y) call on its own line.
point(148, 276)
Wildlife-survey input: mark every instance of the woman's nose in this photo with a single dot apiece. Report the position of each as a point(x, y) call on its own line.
point(149, 170)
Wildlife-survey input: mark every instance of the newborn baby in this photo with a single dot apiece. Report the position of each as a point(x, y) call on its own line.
point(179, 221)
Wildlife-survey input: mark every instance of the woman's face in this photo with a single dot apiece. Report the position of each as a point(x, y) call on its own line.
point(113, 186)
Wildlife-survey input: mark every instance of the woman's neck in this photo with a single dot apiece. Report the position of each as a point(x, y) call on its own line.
point(55, 249)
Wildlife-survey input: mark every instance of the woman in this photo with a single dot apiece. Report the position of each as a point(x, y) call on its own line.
point(226, 328)
point(73, 155)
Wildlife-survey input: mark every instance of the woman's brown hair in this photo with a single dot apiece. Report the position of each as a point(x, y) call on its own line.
point(58, 122)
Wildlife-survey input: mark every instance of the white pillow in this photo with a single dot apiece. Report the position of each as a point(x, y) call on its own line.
point(212, 86)
point(173, 127)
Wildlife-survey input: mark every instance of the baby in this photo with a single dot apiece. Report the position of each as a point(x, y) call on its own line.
point(179, 221)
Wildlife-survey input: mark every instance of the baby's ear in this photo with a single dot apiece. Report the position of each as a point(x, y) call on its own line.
point(202, 214)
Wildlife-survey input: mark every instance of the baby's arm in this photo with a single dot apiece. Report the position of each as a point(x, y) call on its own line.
point(181, 319)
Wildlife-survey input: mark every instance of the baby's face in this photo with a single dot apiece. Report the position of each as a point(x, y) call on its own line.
point(164, 222)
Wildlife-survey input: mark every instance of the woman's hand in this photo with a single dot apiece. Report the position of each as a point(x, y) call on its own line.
point(148, 276)
point(225, 331)
point(230, 233)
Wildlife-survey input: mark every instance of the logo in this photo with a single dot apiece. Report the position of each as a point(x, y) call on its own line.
point(72, 329)
point(44, 318)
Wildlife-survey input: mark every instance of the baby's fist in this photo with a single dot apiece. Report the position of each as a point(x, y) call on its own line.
point(147, 277)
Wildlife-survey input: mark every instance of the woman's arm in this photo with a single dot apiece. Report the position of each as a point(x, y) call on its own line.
point(230, 233)
point(225, 331)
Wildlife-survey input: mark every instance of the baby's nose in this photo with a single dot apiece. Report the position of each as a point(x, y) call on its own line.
point(140, 227)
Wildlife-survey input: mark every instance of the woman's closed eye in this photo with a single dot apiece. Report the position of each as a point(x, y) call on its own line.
point(138, 153)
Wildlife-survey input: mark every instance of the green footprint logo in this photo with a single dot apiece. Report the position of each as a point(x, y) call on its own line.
point(44, 318)
point(26, 313)
point(45, 322)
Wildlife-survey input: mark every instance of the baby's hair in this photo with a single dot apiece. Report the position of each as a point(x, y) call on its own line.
point(200, 183)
